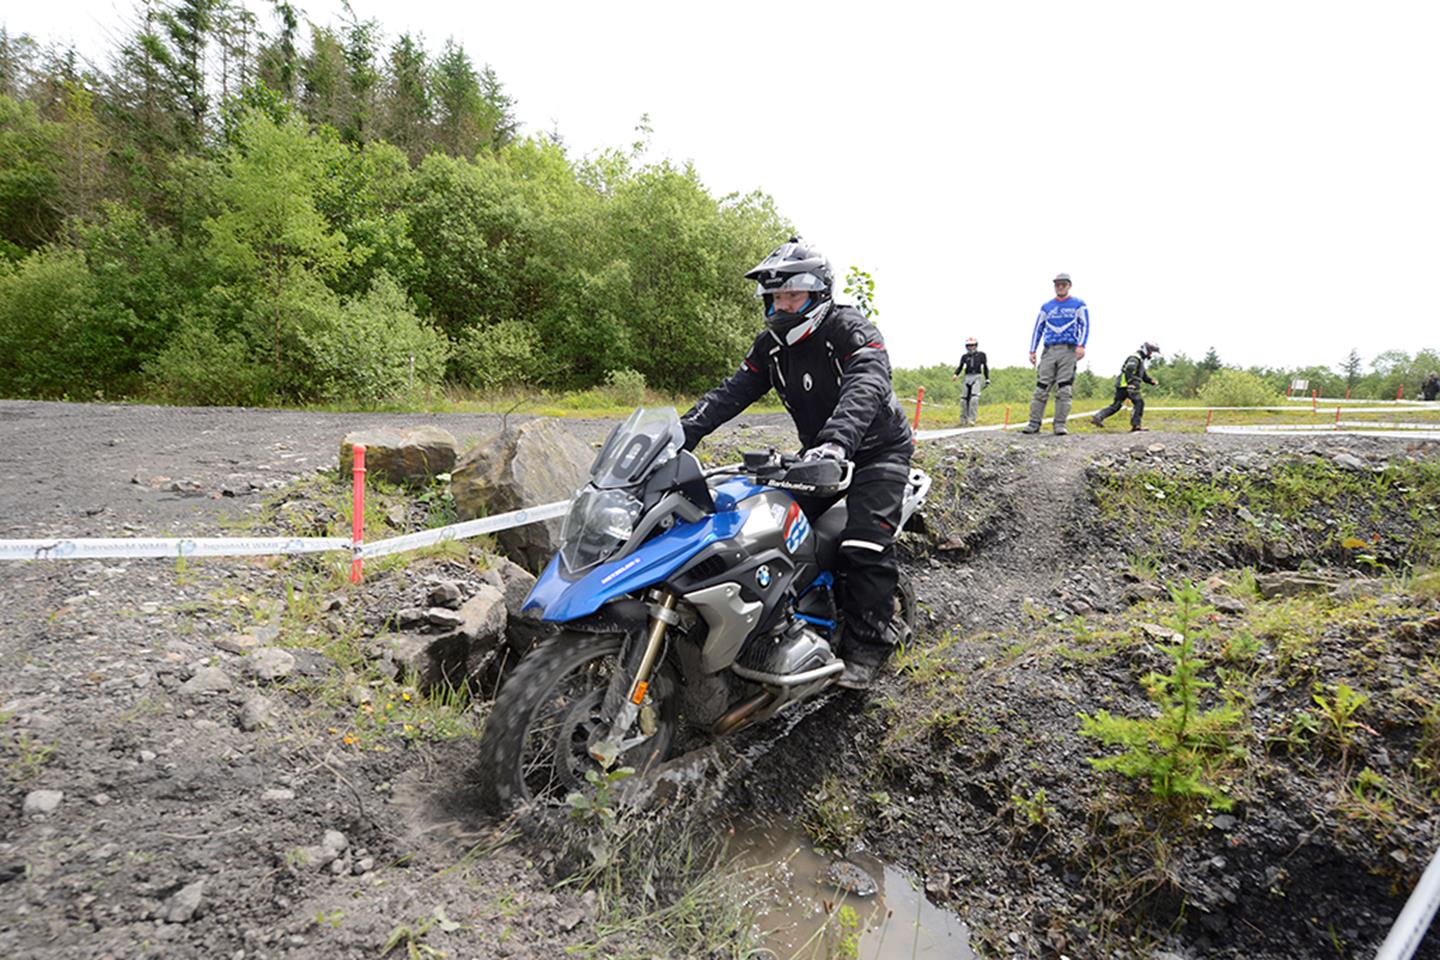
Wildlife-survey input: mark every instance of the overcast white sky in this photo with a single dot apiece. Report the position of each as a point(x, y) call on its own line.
point(1257, 176)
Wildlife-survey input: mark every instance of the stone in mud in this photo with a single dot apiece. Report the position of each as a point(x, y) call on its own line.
point(268, 664)
point(446, 594)
point(1286, 584)
point(1346, 461)
point(42, 802)
point(183, 904)
point(441, 617)
point(256, 713)
point(848, 878)
point(207, 680)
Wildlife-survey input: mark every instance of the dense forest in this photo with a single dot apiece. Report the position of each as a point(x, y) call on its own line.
point(242, 209)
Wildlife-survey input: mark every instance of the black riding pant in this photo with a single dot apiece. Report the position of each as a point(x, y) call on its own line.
point(868, 571)
point(1137, 402)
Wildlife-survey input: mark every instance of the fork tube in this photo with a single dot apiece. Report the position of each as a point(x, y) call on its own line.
point(662, 615)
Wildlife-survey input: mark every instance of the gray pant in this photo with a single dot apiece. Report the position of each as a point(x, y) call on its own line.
point(1056, 369)
point(970, 399)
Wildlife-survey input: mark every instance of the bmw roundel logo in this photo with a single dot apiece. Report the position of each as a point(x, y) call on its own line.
point(762, 577)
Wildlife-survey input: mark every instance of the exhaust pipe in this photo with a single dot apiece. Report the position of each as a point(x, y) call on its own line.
point(740, 715)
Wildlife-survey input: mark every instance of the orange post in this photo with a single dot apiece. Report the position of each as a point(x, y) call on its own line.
point(1314, 401)
point(1400, 392)
point(1347, 393)
point(357, 525)
point(1337, 415)
point(919, 399)
point(1208, 414)
point(1007, 416)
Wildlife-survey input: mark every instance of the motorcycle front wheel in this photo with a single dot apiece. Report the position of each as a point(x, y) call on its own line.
point(535, 746)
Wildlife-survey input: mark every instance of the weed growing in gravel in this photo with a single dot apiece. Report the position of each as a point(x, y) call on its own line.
point(1185, 751)
point(831, 817)
point(1033, 810)
point(27, 757)
point(1336, 722)
point(411, 936)
point(400, 709)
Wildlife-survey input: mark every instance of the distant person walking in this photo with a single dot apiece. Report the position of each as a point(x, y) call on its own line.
point(977, 375)
point(1430, 389)
point(1064, 327)
point(1127, 387)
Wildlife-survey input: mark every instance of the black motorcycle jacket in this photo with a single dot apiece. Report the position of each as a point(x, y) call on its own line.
point(1132, 373)
point(835, 383)
point(974, 363)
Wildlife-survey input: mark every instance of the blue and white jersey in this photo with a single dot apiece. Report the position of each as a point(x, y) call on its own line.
point(1062, 321)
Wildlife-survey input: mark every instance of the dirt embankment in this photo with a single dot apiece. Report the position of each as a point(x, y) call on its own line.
point(315, 807)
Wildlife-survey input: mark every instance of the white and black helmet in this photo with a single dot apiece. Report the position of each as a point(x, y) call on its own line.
point(794, 265)
point(1149, 349)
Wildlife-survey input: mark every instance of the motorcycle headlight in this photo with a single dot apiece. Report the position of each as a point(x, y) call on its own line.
point(598, 524)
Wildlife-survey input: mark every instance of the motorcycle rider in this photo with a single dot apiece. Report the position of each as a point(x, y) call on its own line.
point(829, 366)
point(976, 368)
point(1127, 386)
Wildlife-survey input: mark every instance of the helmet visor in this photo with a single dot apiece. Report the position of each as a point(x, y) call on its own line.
point(776, 282)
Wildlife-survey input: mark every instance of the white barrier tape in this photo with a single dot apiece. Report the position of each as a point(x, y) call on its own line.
point(1272, 430)
point(1414, 919)
point(95, 548)
point(1393, 403)
point(459, 531)
point(1325, 427)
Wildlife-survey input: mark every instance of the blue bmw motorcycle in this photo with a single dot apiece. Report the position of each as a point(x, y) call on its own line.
point(683, 597)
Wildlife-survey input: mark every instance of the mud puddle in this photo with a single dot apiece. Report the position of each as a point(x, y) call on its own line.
point(803, 914)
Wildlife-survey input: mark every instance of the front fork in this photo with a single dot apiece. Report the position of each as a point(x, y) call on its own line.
point(634, 708)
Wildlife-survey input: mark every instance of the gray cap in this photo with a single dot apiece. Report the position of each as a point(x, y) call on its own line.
point(1061, 276)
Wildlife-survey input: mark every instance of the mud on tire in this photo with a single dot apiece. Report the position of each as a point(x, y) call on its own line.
point(546, 715)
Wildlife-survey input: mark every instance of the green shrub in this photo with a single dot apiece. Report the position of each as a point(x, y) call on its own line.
point(626, 387)
point(495, 355)
point(362, 353)
point(1237, 388)
point(44, 324)
point(200, 367)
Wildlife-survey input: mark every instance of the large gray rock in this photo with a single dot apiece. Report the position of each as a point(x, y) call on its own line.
point(534, 463)
point(413, 456)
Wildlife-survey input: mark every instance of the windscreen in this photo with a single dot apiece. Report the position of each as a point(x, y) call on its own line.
point(643, 442)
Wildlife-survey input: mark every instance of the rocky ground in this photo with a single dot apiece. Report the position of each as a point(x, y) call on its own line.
point(229, 758)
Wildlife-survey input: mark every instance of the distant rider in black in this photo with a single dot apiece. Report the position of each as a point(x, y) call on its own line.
point(977, 375)
point(1127, 386)
point(829, 365)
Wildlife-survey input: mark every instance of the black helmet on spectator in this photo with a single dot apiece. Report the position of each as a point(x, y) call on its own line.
point(794, 265)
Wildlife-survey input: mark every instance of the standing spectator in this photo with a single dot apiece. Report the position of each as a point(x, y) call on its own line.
point(977, 375)
point(1127, 387)
point(1430, 389)
point(1064, 326)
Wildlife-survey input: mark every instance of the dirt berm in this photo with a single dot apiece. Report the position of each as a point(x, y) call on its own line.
point(223, 758)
